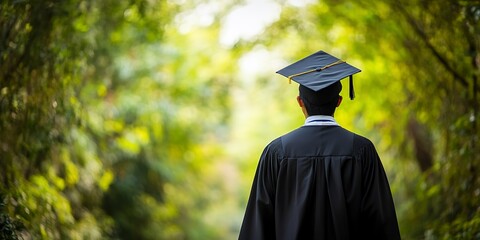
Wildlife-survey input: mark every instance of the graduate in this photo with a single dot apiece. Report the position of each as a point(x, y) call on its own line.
point(320, 181)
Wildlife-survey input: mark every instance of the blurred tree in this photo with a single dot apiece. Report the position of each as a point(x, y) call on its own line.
point(116, 116)
point(156, 118)
point(108, 106)
point(99, 114)
point(446, 35)
point(43, 54)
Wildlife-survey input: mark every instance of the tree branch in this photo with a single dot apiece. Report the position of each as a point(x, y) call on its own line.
point(430, 46)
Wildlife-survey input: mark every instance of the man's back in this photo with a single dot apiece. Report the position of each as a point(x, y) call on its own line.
point(320, 182)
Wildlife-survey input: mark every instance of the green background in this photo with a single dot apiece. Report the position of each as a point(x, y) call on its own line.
point(144, 119)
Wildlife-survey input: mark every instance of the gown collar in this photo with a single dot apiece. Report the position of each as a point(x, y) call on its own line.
point(320, 120)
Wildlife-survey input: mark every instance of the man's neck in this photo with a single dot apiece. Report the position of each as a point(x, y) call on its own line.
point(306, 115)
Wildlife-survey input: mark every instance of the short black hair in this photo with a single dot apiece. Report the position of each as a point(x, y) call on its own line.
point(322, 102)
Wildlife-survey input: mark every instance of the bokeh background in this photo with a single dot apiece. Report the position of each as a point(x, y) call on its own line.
point(144, 119)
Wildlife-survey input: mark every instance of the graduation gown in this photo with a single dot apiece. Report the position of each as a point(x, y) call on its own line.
point(320, 182)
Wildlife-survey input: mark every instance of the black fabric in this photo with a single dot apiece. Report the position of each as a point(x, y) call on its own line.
point(320, 182)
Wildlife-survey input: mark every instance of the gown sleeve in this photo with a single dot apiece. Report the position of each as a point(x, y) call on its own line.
point(378, 210)
point(259, 219)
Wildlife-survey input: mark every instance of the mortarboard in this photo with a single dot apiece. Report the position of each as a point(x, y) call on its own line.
point(319, 71)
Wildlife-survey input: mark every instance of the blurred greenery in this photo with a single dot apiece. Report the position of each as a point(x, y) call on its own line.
point(144, 119)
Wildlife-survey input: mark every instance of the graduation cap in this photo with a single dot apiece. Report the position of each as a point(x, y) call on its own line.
point(320, 70)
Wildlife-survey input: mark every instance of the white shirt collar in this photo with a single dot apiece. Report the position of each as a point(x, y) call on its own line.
point(320, 120)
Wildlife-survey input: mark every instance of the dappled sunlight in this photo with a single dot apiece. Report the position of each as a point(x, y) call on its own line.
point(146, 119)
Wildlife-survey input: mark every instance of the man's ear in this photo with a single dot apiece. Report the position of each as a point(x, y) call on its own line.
point(340, 98)
point(300, 102)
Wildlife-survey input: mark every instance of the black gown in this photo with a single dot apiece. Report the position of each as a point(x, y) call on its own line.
point(320, 182)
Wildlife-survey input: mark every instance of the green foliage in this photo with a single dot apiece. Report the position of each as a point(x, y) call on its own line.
point(42, 53)
point(443, 34)
point(120, 120)
point(7, 230)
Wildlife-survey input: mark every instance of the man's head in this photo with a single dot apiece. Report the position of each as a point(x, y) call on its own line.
point(321, 102)
point(319, 77)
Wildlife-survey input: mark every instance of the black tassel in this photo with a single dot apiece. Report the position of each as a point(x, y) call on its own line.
point(352, 91)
